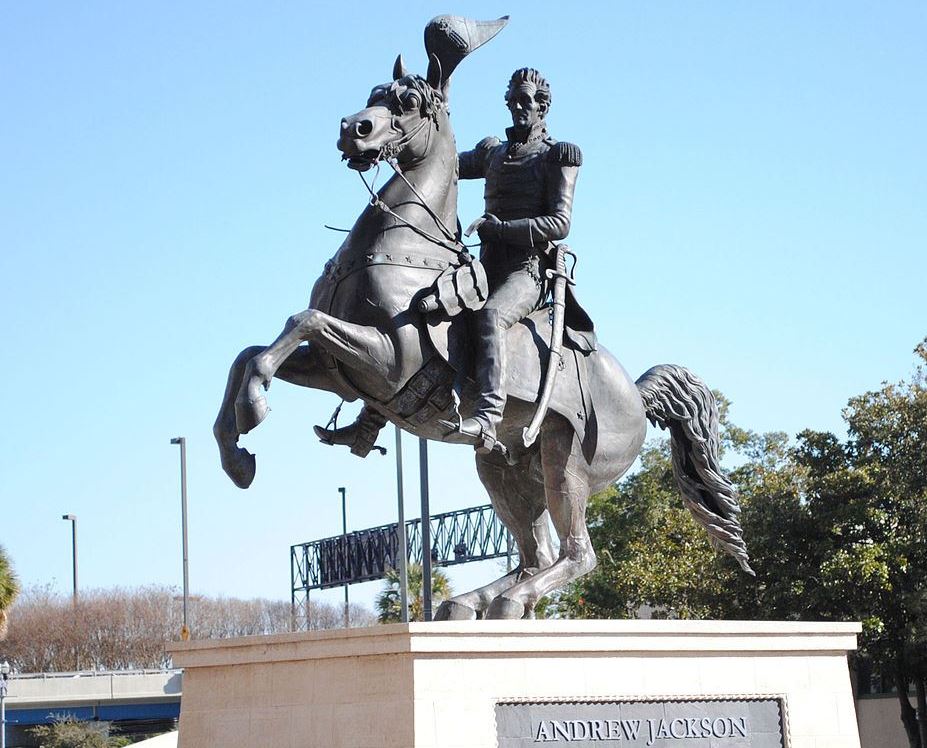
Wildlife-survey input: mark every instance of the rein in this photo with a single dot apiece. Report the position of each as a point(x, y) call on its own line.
point(389, 153)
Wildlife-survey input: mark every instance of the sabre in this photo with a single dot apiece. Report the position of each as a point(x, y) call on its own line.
point(560, 279)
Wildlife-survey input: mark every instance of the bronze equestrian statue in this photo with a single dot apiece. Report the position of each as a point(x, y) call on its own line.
point(393, 319)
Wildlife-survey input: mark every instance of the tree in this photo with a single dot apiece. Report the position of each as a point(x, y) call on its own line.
point(9, 589)
point(119, 629)
point(388, 602)
point(877, 487)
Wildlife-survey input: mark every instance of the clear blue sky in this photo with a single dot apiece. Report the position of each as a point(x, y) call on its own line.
point(753, 205)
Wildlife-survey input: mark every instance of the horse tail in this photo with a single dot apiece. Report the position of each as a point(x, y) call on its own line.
point(675, 399)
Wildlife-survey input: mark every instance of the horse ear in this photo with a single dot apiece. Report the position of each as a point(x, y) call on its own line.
point(434, 76)
point(399, 69)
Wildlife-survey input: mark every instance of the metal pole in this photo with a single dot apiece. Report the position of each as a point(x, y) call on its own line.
point(4, 674)
point(509, 547)
point(426, 528)
point(292, 588)
point(182, 441)
point(72, 518)
point(347, 557)
point(401, 535)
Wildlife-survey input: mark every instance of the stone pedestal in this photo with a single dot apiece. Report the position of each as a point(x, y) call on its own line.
point(446, 685)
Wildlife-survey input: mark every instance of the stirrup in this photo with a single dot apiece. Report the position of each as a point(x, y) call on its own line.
point(344, 436)
point(483, 442)
point(360, 438)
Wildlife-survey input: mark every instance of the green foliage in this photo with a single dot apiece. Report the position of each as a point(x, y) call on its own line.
point(9, 588)
point(70, 733)
point(388, 603)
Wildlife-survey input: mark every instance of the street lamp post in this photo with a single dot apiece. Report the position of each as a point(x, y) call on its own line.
point(72, 518)
point(426, 528)
point(347, 557)
point(182, 441)
point(4, 674)
point(402, 551)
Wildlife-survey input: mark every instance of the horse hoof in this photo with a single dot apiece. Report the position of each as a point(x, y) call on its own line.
point(505, 608)
point(240, 466)
point(452, 611)
point(249, 413)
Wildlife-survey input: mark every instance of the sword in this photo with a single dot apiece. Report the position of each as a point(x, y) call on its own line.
point(560, 279)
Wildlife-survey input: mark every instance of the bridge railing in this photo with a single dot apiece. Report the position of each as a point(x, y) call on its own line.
point(458, 537)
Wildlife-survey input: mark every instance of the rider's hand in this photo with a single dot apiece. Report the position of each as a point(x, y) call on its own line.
point(490, 229)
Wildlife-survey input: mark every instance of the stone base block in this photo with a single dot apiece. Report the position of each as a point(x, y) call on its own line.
point(689, 684)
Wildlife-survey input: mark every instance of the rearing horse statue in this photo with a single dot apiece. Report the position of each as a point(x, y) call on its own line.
point(365, 336)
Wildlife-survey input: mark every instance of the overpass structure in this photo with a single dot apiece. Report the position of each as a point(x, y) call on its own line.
point(137, 702)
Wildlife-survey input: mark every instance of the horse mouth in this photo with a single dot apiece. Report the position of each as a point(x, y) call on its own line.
point(362, 161)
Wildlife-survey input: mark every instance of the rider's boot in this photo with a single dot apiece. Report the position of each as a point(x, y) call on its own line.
point(360, 436)
point(480, 428)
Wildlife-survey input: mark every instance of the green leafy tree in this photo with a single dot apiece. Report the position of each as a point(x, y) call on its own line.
point(9, 589)
point(873, 491)
point(388, 602)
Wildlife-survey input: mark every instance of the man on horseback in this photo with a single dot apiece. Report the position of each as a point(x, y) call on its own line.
point(530, 179)
point(365, 333)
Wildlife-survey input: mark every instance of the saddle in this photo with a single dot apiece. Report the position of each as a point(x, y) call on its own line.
point(528, 353)
point(444, 388)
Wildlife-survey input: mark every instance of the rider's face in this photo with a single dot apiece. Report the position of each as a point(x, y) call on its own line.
point(525, 109)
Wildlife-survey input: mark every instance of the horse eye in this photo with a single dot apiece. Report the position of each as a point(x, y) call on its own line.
point(376, 96)
point(412, 101)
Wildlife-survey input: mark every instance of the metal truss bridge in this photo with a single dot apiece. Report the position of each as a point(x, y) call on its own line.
point(458, 537)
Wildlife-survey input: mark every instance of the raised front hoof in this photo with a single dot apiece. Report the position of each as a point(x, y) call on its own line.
point(505, 608)
point(240, 466)
point(249, 413)
point(453, 611)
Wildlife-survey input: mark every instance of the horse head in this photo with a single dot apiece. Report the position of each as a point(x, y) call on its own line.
point(398, 122)
point(401, 116)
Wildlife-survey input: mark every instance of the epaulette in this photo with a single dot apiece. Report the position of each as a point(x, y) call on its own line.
point(565, 154)
point(488, 143)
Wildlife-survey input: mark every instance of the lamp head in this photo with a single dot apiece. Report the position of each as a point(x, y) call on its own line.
point(71, 517)
point(4, 668)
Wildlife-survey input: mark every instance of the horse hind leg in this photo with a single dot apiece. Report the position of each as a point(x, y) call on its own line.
point(518, 500)
point(566, 486)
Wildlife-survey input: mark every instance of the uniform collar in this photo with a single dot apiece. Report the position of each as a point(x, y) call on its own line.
point(518, 142)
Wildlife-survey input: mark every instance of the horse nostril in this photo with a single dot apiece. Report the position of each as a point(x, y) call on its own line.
point(363, 128)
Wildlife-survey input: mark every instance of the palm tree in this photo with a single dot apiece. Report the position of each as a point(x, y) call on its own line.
point(388, 601)
point(9, 588)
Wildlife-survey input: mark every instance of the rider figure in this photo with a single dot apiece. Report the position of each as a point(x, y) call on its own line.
point(530, 179)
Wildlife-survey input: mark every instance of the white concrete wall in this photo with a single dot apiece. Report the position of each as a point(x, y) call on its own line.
point(436, 685)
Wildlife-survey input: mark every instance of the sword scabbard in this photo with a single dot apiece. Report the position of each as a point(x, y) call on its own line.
point(560, 278)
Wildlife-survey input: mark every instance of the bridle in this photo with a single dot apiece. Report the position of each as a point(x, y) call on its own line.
point(389, 153)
